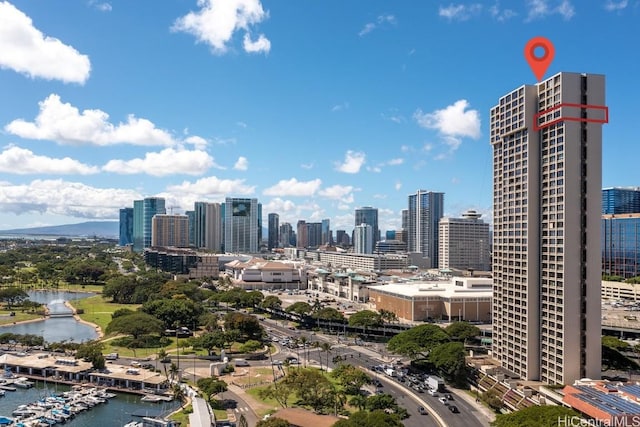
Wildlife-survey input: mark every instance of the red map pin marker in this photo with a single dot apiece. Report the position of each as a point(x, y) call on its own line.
point(539, 64)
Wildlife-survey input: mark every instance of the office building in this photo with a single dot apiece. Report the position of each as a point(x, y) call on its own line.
point(326, 232)
point(464, 243)
point(138, 225)
point(126, 227)
point(423, 216)
point(363, 239)
point(273, 231)
point(619, 200)
point(287, 236)
point(302, 234)
point(241, 225)
point(208, 226)
point(342, 238)
point(368, 215)
point(151, 206)
point(620, 236)
point(192, 227)
point(314, 234)
point(170, 231)
point(547, 178)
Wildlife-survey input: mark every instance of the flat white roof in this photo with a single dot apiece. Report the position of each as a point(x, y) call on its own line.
point(471, 287)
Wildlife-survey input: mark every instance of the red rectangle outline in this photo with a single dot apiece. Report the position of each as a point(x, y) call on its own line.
point(536, 116)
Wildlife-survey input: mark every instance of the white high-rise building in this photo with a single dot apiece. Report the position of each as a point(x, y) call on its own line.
point(423, 215)
point(363, 239)
point(208, 226)
point(464, 243)
point(547, 180)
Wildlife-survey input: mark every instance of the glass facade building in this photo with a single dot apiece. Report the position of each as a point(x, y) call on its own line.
point(425, 210)
point(126, 226)
point(621, 245)
point(620, 200)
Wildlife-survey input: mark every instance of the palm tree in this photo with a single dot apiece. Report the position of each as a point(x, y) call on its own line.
point(173, 371)
point(316, 344)
point(339, 399)
point(359, 401)
point(178, 393)
point(326, 347)
point(304, 341)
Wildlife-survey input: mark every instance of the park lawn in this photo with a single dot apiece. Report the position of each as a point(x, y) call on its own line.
point(254, 375)
point(98, 310)
point(272, 404)
point(221, 414)
point(5, 319)
point(182, 417)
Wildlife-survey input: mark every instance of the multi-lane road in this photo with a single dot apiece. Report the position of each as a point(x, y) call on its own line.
point(364, 357)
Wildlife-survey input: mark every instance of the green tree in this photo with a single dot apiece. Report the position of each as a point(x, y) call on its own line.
point(365, 319)
point(273, 422)
point(462, 331)
point(211, 387)
point(535, 416)
point(92, 352)
point(250, 346)
point(377, 418)
point(493, 399)
point(312, 388)
point(280, 392)
point(300, 308)
point(174, 312)
point(271, 302)
point(350, 377)
point(615, 343)
point(386, 402)
point(12, 295)
point(328, 313)
point(418, 341)
point(136, 325)
point(449, 360)
point(246, 324)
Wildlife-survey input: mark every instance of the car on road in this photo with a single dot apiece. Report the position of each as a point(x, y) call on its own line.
point(422, 411)
point(277, 362)
point(448, 396)
point(454, 409)
point(443, 400)
point(291, 360)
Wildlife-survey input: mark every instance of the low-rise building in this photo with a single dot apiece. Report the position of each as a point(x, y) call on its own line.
point(341, 283)
point(607, 403)
point(456, 298)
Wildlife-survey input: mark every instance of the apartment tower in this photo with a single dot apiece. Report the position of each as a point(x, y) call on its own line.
point(464, 243)
point(547, 177)
point(273, 231)
point(170, 230)
point(423, 216)
point(241, 232)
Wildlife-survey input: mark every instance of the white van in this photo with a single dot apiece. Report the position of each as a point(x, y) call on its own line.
point(240, 362)
point(432, 392)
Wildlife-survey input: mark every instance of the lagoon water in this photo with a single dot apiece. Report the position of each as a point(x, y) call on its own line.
point(55, 329)
point(116, 413)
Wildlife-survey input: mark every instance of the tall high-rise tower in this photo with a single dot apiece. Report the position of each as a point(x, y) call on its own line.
point(424, 213)
point(363, 239)
point(208, 226)
point(126, 226)
point(241, 225)
point(368, 215)
point(150, 206)
point(273, 230)
point(547, 177)
point(464, 243)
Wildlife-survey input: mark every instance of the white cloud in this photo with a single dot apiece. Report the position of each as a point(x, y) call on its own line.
point(427, 147)
point(452, 120)
point(396, 162)
point(102, 7)
point(344, 207)
point(398, 185)
point(25, 50)
point(499, 14)
point(381, 20)
point(379, 196)
point(242, 164)
point(307, 166)
point(459, 12)
point(374, 169)
point(59, 197)
point(197, 141)
point(21, 161)
point(166, 162)
point(406, 148)
point(279, 205)
point(262, 44)
point(293, 187)
point(541, 8)
point(339, 107)
point(242, 124)
point(217, 21)
point(212, 186)
point(353, 161)
point(612, 5)
point(65, 124)
point(343, 193)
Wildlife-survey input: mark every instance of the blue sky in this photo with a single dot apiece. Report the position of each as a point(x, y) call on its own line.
point(314, 107)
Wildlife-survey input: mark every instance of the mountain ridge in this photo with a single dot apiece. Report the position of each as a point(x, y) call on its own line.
point(108, 229)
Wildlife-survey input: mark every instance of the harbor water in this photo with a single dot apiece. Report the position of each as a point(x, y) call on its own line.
point(116, 412)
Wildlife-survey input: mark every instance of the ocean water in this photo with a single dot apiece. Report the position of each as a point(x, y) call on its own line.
point(116, 413)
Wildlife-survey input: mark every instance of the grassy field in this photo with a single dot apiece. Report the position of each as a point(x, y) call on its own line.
point(254, 375)
point(98, 310)
point(6, 319)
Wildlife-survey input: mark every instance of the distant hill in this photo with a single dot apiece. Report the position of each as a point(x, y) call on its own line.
point(109, 229)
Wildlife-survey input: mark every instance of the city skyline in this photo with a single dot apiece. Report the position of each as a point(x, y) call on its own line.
point(261, 104)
